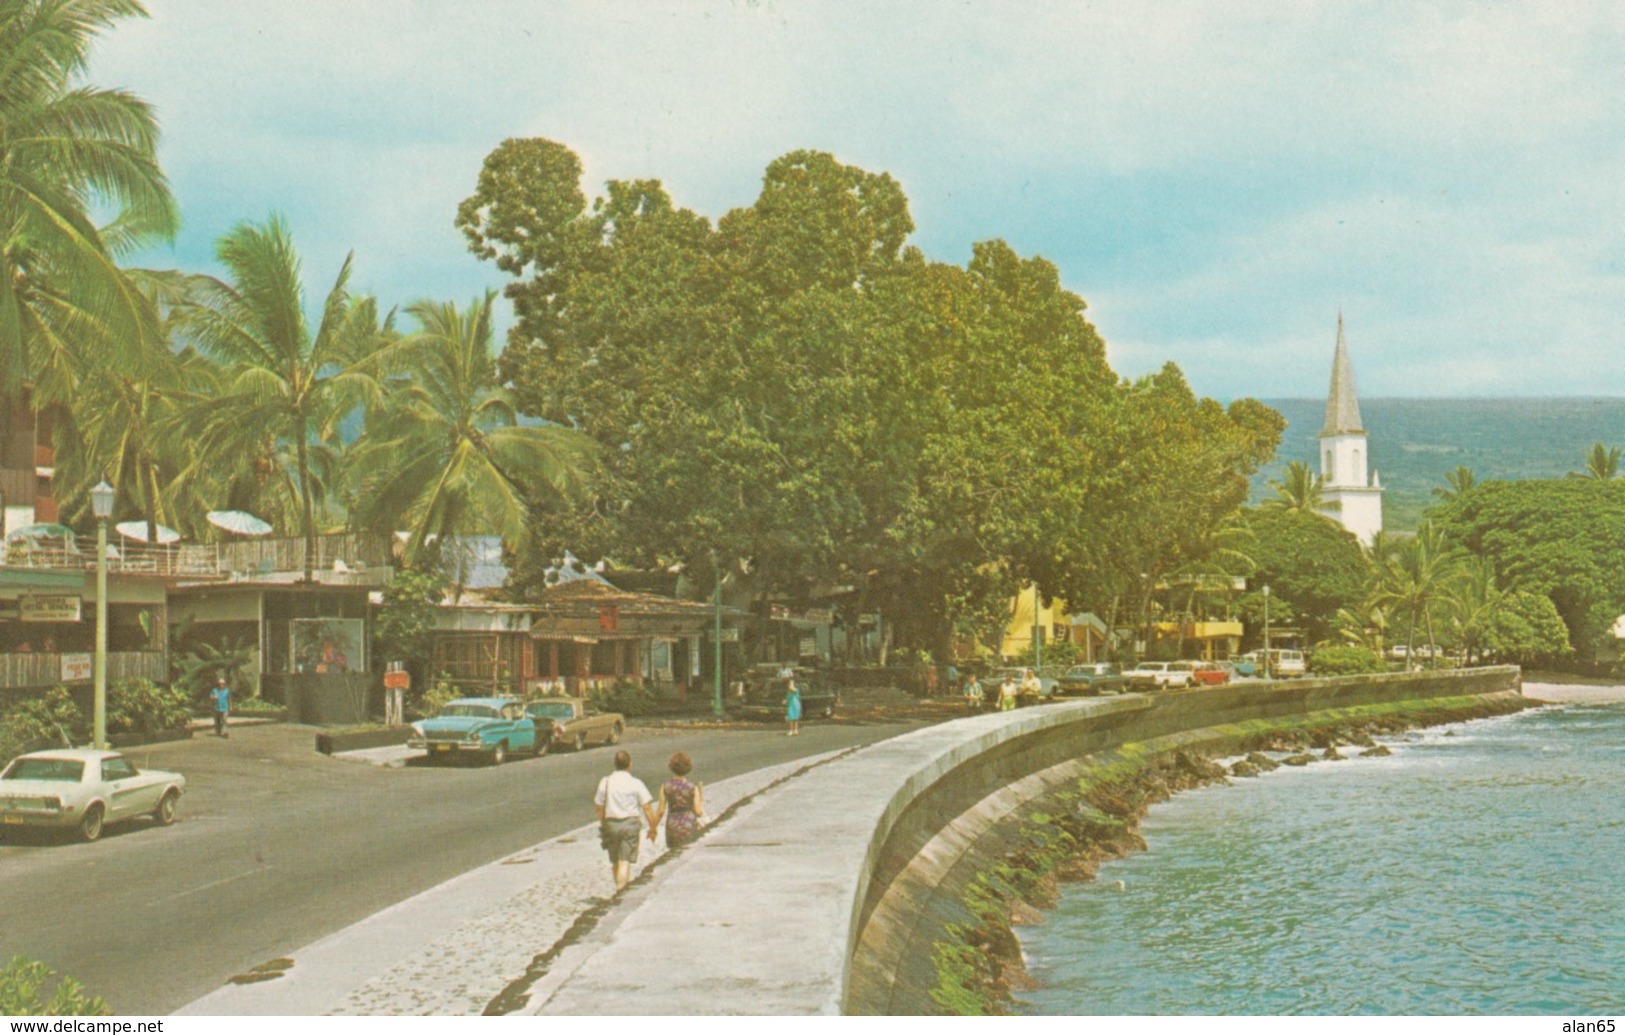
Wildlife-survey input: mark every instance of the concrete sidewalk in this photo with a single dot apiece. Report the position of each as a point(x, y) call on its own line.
point(452, 949)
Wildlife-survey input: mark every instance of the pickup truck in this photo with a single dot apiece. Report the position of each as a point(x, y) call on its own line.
point(1161, 675)
point(571, 721)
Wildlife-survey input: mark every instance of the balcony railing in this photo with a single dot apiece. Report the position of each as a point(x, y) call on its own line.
point(346, 559)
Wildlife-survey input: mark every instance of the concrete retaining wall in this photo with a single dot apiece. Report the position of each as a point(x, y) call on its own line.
point(767, 913)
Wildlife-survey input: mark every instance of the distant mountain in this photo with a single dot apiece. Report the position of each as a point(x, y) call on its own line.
point(1415, 441)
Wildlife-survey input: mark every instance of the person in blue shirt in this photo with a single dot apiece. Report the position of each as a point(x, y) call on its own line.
point(792, 708)
point(221, 696)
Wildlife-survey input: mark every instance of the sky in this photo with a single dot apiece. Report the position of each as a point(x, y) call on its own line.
point(1216, 180)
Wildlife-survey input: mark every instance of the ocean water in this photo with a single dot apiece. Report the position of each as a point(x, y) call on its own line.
point(1480, 869)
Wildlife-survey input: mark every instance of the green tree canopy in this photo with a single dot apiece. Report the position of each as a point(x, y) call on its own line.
point(1314, 565)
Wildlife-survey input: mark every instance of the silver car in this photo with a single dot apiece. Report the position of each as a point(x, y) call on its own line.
point(84, 789)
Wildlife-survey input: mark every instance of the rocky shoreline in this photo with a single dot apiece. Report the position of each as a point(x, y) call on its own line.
point(1066, 837)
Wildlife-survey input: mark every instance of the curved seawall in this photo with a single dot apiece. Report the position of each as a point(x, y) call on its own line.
point(827, 894)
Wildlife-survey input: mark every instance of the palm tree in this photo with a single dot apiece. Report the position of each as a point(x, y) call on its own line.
point(446, 454)
point(1417, 578)
point(66, 151)
point(1602, 463)
point(283, 387)
point(1459, 482)
point(1301, 489)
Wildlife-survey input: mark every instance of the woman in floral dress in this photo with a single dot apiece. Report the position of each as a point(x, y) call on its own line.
point(682, 804)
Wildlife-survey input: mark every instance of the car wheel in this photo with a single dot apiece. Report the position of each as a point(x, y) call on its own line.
point(615, 732)
point(581, 742)
point(90, 827)
point(499, 754)
point(165, 812)
point(543, 745)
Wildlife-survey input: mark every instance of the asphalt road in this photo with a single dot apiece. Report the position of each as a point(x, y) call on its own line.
point(278, 846)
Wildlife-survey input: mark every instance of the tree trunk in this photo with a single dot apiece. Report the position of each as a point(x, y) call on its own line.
point(308, 505)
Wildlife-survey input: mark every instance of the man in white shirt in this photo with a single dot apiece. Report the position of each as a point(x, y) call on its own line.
point(619, 799)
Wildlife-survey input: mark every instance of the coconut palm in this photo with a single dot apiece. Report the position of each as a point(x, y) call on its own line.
point(446, 454)
point(283, 387)
point(1602, 463)
point(1300, 489)
point(67, 150)
point(1417, 579)
point(1458, 482)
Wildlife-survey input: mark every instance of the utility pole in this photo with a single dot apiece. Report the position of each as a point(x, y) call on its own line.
point(716, 639)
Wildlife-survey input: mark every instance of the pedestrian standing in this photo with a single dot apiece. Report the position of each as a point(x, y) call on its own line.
point(682, 804)
point(620, 798)
point(1007, 693)
point(221, 696)
point(792, 708)
point(973, 694)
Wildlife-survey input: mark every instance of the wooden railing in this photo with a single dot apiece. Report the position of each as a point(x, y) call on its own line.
point(44, 668)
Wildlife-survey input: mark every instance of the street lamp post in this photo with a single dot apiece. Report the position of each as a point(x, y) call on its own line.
point(101, 502)
point(1038, 632)
point(1266, 630)
point(716, 641)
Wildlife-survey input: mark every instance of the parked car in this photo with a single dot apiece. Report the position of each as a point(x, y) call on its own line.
point(85, 789)
point(571, 720)
point(765, 692)
point(490, 727)
point(1088, 680)
point(1212, 673)
point(1283, 663)
point(1161, 675)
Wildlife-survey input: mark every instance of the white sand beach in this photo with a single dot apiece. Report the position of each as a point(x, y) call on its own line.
point(1574, 693)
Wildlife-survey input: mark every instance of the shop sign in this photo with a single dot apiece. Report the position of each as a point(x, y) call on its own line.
point(730, 635)
point(821, 615)
point(76, 668)
point(778, 612)
point(39, 607)
point(809, 646)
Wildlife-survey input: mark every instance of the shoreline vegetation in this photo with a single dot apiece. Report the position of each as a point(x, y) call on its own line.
point(1064, 837)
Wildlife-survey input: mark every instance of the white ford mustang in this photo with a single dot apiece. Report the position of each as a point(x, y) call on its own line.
point(85, 789)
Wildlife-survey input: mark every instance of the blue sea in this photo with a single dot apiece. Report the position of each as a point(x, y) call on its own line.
point(1480, 869)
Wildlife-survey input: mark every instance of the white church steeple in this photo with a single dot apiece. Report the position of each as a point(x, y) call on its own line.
point(1350, 497)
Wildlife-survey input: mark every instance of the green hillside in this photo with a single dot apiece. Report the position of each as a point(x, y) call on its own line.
point(1415, 441)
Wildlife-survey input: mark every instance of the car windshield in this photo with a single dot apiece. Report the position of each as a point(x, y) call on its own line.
point(470, 711)
point(553, 711)
point(56, 769)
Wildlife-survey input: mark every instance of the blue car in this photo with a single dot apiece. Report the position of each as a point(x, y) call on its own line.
point(490, 727)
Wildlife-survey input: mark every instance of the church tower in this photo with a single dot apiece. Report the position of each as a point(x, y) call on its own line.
point(1348, 496)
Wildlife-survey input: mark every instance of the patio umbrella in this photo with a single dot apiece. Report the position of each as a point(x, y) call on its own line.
point(43, 530)
point(239, 521)
point(137, 530)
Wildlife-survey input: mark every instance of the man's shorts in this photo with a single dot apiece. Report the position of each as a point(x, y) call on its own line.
point(620, 838)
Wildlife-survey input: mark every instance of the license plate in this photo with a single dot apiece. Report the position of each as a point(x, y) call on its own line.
point(442, 747)
point(12, 819)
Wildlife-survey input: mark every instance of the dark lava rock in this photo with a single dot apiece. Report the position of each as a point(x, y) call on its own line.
point(1264, 762)
point(1360, 738)
point(1380, 751)
point(1244, 768)
point(1331, 754)
point(1299, 759)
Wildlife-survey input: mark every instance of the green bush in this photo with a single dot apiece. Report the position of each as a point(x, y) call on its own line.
point(432, 698)
point(1345, 661)
point(626, 697)
point(51, 720)
point(142, 706)
point(23, 985)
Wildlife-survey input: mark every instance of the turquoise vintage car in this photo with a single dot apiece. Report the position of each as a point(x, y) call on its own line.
point(493, 727)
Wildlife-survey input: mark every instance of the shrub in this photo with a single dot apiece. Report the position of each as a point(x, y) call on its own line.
point(51, 720)
point(626, 697)
point(432, 698)
point(142, 706)
point(1345, 661)
point(23, 983)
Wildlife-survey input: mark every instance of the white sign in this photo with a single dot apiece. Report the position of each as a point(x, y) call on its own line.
point(76, 668)
point(37, 607)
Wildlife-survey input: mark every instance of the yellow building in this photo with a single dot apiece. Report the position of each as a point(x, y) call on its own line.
point(1088, 632)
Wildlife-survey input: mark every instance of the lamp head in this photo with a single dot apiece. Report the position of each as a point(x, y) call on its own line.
point(101, 500)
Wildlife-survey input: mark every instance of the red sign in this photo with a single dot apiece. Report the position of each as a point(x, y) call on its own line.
point(398, 680)
point(609, 618)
